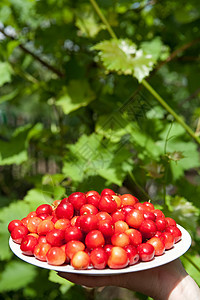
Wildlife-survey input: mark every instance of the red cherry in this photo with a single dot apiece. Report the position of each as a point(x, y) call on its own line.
point(88, 209)
point(168, 239)
point(120, 226)
point(18, 233)
point(158, 213)
point(135, 236)
point(148, 206)
point(134, 218)
point(149, 215)
point(94, 239)
point(28, 244)
point(94, 200)
point(108, 248)
point(132, 253)
point(77, 200)
point(44, 209)
point(13, 224)
point(126, 209)
point(140, 206)
point(158, 245)
point(56, 256)
point(64, 210)
point(98, 258)
point(44, 227)
point(120, 239)
point(92, 193)
point(146, 252)
point(40, 251)
point(42, 239)
point(118, 258)
point(160, 223)
point(33, 224)
point(55, 237)
point(148, 229)
point(102, 215)
point(88, 222)
point(128, 199)
point(118, 215)
point(73, 247)
point(73, 233)
point(80, 260)
point(62, 224)
point(175, 231)
point(107, 203)
point(107, 192)
point(106, 227)
point(170, 221)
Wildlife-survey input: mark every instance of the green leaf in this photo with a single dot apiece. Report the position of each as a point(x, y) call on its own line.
point(113, 127)
point(86, 21)
point(36, 197)
point(190, 268)
point(15, 150)
point(92, 156)
point(11, 46)
point(9, 96)
point(16, 275)
point(78, 94)
point(16, 210)
point(183, 211)
point(153, 47)
point(53, 179)
point(65, 285)
point(35, 132)
point(5, 252)
point(122, 56)
point(5, 73)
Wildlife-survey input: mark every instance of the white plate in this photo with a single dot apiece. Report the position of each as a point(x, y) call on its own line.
point(178, 250)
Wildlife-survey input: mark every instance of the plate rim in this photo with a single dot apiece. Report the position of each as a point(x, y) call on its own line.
point(178, 250)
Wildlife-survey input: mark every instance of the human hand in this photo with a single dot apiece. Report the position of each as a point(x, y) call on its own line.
point(169, 281)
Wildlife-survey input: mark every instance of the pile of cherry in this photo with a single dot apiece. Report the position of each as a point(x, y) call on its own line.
point(95, 230)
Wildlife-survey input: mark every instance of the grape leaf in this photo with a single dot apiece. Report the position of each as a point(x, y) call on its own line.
point(77, 94)
point(16, 275)
point(153, 47)
point(92, 156)
point(190, 268)
point(122, 56)
point(86, 22)
point(15, 150)
point(65, 285)
point(36, 197)
point(5, 252)
point(183, 211)
point(5, 73)
point(16, 210)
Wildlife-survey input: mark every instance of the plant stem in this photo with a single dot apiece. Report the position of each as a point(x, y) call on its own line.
point(139, 186)
point(35, 56)
point(171, 111)
point(103, 19)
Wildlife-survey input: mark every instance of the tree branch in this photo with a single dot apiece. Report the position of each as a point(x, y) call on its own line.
point(175, 53)
point(35, 56)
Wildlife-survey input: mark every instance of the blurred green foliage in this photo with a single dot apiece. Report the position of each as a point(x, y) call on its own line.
point(74, 116)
